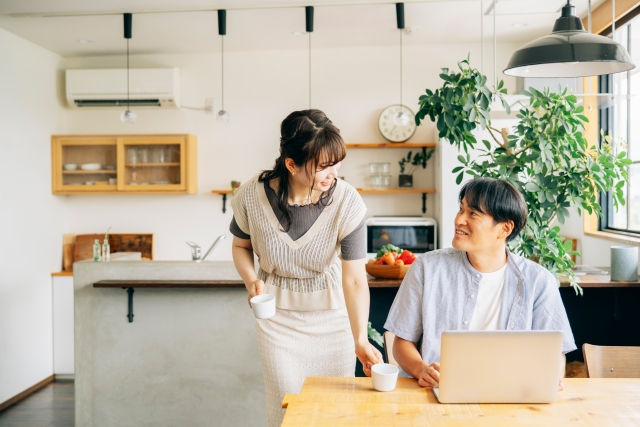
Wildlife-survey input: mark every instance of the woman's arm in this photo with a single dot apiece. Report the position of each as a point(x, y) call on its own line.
point(242, 253)
point(356, 295)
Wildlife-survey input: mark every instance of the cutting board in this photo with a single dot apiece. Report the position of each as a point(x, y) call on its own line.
point(142, 243)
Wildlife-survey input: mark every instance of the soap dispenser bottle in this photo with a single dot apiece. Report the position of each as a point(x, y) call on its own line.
point(106, 251)
point(96, 251)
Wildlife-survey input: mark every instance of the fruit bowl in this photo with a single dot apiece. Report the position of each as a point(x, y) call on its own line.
point(387, 271)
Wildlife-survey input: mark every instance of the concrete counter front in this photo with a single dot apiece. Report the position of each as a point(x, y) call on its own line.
point(189, 358)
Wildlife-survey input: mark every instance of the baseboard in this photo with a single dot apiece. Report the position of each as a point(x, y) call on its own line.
point(27, 392)
point(65, 377)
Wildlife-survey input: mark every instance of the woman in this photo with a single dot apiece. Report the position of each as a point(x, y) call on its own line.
point(297, 218)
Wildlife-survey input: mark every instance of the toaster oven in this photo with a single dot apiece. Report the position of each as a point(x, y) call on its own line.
point(416, 234)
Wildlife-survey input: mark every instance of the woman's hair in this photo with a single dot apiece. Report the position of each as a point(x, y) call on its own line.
point(497, 198)
point(313, 142)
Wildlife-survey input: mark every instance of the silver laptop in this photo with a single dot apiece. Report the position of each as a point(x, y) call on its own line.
point(499, 366)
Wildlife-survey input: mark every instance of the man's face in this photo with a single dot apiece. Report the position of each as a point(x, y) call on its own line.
point(476, 231)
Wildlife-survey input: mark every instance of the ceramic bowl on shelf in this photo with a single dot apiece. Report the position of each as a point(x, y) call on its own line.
point(387, 271)
point(90, 183)
point(90, 166)
point(70, 166)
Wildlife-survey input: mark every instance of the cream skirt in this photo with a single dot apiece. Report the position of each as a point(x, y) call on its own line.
point(299, 344)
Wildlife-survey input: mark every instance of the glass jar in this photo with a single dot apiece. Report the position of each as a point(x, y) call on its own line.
point(379, 168)
point(380, 181)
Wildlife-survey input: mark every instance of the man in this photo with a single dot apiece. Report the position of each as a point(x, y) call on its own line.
point(479, 285)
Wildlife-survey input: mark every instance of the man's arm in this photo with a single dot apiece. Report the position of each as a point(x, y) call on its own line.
point(407, 355)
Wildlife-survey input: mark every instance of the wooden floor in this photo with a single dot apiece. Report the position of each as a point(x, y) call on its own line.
point(52, 406)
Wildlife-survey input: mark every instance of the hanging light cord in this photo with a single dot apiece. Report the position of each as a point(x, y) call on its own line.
point(309, 70)
point(128, 75)
point(495, 76)
point(222, 69)
point(482, 36)
point(400, 70)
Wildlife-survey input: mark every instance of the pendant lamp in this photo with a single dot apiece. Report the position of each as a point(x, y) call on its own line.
point(128, 116)
point(569, 51)
point(223, 115)
point(309, 28)
point(400, 118)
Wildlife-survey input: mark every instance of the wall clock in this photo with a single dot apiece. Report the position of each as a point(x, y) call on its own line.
point(393, 132)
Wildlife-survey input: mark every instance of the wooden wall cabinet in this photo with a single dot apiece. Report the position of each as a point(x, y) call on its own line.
point(103, 164)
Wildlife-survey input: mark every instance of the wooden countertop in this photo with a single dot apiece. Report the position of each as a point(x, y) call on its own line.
point(62, 273)
point(337, 402)
point(586, 282)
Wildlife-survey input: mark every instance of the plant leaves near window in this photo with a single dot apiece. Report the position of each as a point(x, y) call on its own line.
point(546, 157)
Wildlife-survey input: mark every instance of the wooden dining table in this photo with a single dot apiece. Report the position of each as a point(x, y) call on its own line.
point(344, 401)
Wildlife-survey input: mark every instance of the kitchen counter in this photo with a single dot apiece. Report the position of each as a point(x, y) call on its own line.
point(189, 357)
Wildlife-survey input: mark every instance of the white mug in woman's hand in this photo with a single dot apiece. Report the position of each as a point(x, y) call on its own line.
point(264, 306)
point(257, 288)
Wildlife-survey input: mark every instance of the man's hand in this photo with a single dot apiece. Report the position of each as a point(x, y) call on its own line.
point(429, 375)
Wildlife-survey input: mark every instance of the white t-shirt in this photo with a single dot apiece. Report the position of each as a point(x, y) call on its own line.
point(486, 315)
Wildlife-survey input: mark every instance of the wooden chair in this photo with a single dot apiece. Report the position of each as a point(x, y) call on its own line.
point(611, 362)
point(388, 338)
point(574, 246)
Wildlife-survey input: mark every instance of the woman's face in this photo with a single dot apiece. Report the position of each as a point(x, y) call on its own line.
point(320, 181)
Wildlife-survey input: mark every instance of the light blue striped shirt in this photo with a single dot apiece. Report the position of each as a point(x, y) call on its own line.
point(437, 293)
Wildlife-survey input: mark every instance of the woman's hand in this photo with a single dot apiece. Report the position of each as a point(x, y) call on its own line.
point(429, 375)
point(368, 356)
point(255, 288)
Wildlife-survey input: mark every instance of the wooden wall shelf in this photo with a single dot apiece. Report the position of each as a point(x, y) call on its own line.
point(423, 191)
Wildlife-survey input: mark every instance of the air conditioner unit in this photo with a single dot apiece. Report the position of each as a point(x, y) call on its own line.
point(148, 87)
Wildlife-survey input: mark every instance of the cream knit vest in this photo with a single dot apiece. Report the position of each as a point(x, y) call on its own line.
point(306, 274)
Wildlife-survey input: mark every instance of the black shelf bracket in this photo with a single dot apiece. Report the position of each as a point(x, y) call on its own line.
point(424, 203)
point(130, 292)
point(224, 203)
point(424, 166)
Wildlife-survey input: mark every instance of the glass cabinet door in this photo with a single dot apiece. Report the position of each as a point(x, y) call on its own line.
point(151, 164)
point(87, 165)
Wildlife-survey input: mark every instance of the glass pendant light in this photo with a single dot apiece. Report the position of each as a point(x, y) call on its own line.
point(223, 115)
point(400, 118)
point(128, 116)
point(569, 51)
point(308, 10)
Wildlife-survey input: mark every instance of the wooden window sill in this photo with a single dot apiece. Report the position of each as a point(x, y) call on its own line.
point(615, 237)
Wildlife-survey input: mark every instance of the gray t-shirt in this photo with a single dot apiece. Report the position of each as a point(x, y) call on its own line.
point(352, 246)
point(439, 293)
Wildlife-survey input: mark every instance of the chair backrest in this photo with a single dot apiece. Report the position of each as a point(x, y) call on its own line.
point(611, 362)
point(389, 337)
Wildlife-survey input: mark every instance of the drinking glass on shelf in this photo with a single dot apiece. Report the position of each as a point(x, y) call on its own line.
point(144, 155)
point(132, 155)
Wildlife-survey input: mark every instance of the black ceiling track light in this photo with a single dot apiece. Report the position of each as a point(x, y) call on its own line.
point(569, 51)
point(223, 115)
point(128, 116)
point(308, 10)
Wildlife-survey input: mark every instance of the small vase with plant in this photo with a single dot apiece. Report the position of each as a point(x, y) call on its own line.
point(409, 164)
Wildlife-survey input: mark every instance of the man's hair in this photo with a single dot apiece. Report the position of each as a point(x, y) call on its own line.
point(498, 198)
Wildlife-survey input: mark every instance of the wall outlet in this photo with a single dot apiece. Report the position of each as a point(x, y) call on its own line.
point(209, 106)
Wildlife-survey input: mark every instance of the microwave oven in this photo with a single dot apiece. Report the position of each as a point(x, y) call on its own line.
point(416, 234)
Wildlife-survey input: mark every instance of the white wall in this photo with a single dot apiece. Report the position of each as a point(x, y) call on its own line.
point(352, 85)
point(32, 218)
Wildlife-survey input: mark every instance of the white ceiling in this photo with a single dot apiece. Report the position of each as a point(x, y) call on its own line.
point(185, 26)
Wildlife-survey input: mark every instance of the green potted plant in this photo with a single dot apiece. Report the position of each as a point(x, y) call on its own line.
point(408, 166)
point(546, 156)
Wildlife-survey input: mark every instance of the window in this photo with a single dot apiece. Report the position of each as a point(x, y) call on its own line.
point(619, 116)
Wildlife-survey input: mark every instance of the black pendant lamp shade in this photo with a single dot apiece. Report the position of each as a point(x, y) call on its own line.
point(127, 25)
point(223, 115)
point(569, 51)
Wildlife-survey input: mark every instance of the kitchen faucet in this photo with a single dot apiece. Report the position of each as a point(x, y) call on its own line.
point(196, 249)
